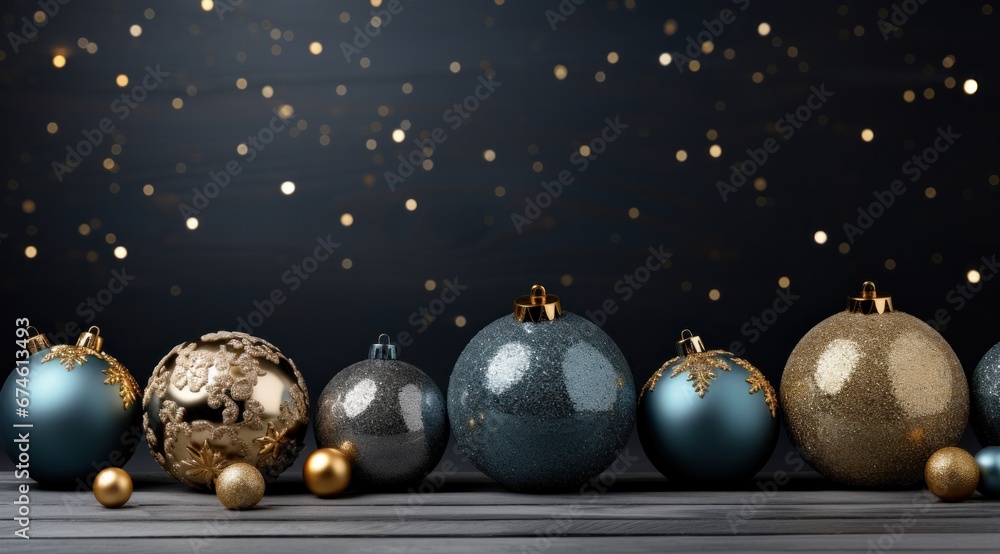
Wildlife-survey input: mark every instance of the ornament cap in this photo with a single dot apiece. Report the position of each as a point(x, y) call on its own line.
point(690, 343)
point(537, 306)
point(91, 339)
point(383, 349)
point(869, 301)
point(38, 341)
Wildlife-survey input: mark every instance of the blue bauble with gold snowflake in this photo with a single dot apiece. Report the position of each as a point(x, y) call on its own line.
point(82, 412)
point(707, 415)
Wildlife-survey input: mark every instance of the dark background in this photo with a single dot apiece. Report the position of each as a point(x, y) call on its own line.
point(190, 282)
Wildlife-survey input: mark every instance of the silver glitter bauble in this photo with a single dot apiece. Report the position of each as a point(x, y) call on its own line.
point(541, 400)
point(387, 416)
point(985, 388)
point(227, 398)
point(870, 393)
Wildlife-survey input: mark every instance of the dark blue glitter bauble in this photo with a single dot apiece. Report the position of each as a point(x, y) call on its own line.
point(984, 400)
point(541, 406)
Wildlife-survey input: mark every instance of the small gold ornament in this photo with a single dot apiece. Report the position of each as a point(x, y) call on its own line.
point(327, 472)
point(870, 393)
point(240, 486)
point(113, 487)
point(952, 474)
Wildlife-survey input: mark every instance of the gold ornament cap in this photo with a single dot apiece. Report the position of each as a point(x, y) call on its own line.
point(38, 341)
point(690, 343)
point(383, 349)
point(537, 306)
point(91, 338)
point(869, 301)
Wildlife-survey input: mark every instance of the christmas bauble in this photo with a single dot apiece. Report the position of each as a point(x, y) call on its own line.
point(707, 415)
point(541, 400)
point(387, 416)
point(113, 487)
point(952, 474)
point(985, 398)
point(327, 472)
point(870, 393)
point(226, 398)
point(76, 409)
point(988, 460)
point(239, 486)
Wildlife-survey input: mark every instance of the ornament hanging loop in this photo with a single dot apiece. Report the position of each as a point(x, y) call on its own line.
point(91, 339)
point(537, 306)
point(37, 341)
point(383, 349)
point(690, 343)
point(869, 301)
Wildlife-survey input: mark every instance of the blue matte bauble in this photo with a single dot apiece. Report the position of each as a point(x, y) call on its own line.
point(80, 421)
point(988, 460)
point(984, 398)
point(707, 416)
point(541, 406)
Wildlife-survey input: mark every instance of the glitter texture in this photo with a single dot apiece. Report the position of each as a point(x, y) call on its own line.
point(541, 406)
point(868, 398)
point(952, 474)
point(391, 414)
point(240, 486)
point(985, 387)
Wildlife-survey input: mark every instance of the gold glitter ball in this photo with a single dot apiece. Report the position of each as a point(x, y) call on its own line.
point(113, 487)
point(240, 486)
point(952, 474)
point(869, 397)
point(327, 472)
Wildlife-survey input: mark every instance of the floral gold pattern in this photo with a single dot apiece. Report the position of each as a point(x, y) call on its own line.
point(205, 463)
point(700, 367)
point(69, 356)
point(128, 389)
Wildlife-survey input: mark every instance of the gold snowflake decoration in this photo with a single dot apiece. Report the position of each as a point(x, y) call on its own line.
point(699, 366)
point(205, 463)
point(759, 383)
point(274, 442)
point(128, 389)
point(69, 356)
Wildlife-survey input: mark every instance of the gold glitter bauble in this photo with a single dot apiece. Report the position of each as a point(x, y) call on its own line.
point(952, 474)
point(869, 394)
point(240, 486)
point(113, 487)
point(327, 472)
point(227, 398)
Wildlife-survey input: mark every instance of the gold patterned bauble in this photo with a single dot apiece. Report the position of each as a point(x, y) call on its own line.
point(952, 474)
point(227, 398)
point(113, 487)
point(240, 486)
point(327, 472)
point(870, 393)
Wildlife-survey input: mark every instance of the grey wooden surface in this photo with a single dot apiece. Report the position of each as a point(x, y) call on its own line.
point(468, 513)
